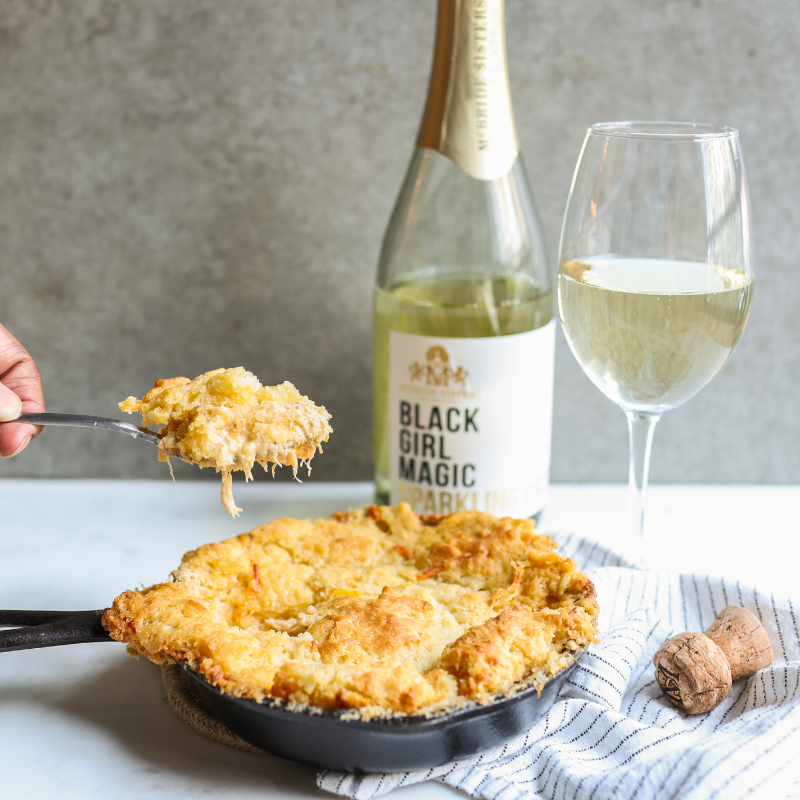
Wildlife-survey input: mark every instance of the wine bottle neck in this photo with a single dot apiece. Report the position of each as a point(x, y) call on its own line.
point(468, 115)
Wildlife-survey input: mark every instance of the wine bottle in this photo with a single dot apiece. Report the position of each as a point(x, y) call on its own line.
point(463, 327)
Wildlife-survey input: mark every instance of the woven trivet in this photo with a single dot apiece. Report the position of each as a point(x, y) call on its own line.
point(186, 702)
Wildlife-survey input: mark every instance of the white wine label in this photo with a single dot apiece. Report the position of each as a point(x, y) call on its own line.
point(470, 422)
point(478, 131)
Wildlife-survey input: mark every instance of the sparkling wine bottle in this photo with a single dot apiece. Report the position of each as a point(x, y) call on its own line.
point(464, 335)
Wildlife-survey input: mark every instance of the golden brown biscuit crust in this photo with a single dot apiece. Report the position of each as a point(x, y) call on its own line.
point(378, 610)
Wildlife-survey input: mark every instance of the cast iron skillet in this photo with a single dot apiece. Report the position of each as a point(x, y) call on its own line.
point(320, 737)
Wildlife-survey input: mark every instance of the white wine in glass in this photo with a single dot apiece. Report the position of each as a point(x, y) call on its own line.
point(656, 279)
point(652, 333)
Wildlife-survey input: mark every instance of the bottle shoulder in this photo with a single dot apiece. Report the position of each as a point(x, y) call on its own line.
point(445, 221)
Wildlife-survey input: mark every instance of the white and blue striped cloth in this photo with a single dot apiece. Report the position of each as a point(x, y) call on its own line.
point(612, 734)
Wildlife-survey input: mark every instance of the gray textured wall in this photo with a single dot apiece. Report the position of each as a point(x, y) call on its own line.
point(186, 184)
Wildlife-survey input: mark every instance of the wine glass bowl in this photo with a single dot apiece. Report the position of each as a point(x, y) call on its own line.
point(656, 277)
point(651, 333)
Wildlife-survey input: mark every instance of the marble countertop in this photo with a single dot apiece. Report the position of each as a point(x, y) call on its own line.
point(87, 721)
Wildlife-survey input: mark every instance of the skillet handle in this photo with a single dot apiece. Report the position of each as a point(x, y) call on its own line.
point(17, 618)
point(82, 626)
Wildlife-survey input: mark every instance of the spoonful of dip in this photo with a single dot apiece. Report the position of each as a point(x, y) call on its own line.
point(227, 420)
point(223, 419)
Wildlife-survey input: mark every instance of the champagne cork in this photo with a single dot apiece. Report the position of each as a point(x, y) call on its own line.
point(693, 672)
point(696, 670)
point(742, 638)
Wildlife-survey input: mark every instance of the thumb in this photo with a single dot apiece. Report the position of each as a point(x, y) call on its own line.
point(10, 404)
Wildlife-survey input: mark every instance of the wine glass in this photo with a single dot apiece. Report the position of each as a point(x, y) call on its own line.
point(656, 276)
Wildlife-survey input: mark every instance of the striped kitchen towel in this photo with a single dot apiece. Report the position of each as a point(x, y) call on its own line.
point(612, 733)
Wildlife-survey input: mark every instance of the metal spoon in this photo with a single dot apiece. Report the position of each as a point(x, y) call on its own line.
point(82, 421)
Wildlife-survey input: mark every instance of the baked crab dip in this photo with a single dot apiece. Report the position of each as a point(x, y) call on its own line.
point(380, 610)
point(227, 420)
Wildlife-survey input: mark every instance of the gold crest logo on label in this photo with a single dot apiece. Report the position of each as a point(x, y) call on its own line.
point(437, 370)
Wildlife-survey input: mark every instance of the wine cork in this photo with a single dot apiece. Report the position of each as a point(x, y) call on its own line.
point(696, 670)
point(693, 672)
point(742, 638)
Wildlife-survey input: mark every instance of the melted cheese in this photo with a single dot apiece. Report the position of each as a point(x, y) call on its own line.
point(227, 420)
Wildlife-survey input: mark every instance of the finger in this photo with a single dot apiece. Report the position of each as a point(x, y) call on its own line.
point(19, 378)
point(16, 437)
point(13, 438)
point(10, 404)
point(19, 373)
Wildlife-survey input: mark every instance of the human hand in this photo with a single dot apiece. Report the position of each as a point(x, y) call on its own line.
point(20, 390)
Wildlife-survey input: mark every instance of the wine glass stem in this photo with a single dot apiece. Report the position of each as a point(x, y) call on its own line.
point(640, 428)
